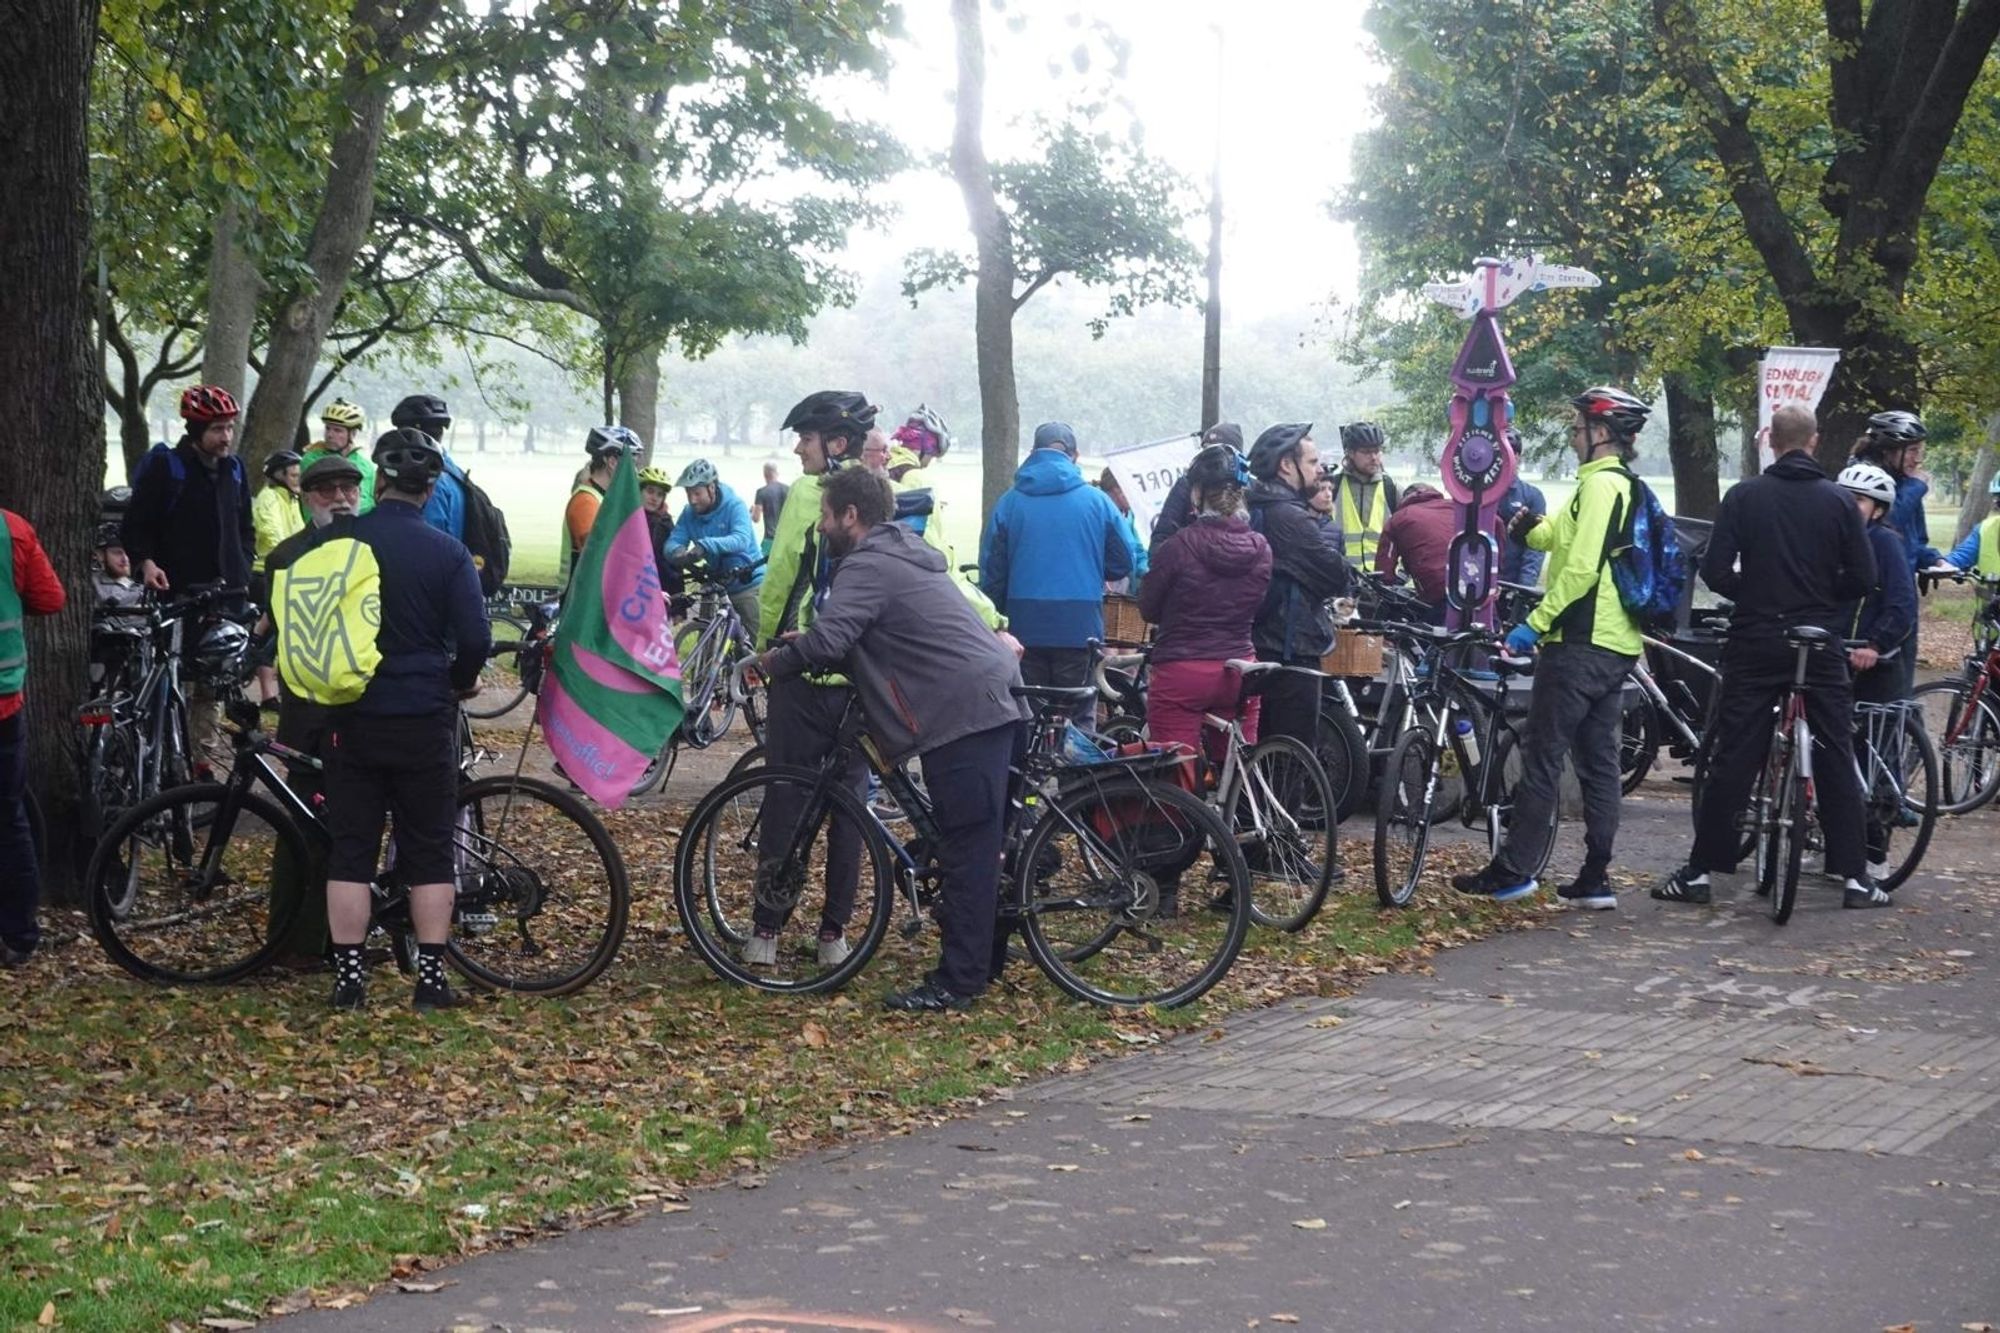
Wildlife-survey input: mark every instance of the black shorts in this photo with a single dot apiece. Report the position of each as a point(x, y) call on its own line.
point(402, 767)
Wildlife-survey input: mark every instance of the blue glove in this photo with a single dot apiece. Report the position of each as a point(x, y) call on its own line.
point(1522, 638)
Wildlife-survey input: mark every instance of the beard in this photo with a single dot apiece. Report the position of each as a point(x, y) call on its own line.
point(838, 542)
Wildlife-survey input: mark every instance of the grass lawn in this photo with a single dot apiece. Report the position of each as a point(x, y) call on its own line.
point(206, 1157)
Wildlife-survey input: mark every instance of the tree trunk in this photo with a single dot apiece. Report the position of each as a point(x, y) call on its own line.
point(993, 297)
point(346, 206)
point(528, 439)
point(48, 360)
point(479, 436)
point(1978, 502)
point(233, 288)
point(1752, 461)
point(1691, 448)
point(639, 397)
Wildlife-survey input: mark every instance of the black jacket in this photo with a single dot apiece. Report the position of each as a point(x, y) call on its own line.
point(1888, 615)
point(1306, 569)
point(1789, 549)
point(1176, 512)
point(191, 519)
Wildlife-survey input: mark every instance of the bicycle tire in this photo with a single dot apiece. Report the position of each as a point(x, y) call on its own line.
point(1638, 744)
point(1504, 750)
point(1298, 857)
point(560, 894)
point(1342, 752)
point(715, 883)
point(1781, 831)
point(501, 687)
point(158, 945)
point(1402, 830)
point(660, 768)
point(751, 758)
point(1106, 889)
point(1889, 805)
point(1969, 767)
point(705, 686)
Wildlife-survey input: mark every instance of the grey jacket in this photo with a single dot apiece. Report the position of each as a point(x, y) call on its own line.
point(928, 670)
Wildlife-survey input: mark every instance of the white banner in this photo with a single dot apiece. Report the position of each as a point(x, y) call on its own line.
point(1790, 375)
point(1146, 472)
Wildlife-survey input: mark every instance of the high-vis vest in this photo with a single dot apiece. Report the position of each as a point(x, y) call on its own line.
point(13, 643)
point(1987, 561)
point(327, 606)
point(1360, 533)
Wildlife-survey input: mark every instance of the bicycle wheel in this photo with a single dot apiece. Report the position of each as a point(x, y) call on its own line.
point(661, 768)
point(767, 837)
point(1902, 804)
point(501, 687)
point(752, 758)
point(1404, 808)
point(1638, 743)
point(1285, 818)
point(1507, 753)
point(1966, 737)
point(705, 683)
point(1342, 752)
point(542, 893)
point(1098, 864)
point(1781, 832)
point(200, 906)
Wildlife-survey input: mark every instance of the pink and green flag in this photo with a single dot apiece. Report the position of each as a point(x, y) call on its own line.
point(612, 694)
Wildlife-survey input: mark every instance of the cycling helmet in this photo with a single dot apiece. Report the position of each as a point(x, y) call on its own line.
point(925, 434)
point(221, 653)
point(1896, 428)
point(610, 441)
point(656, 476)
point(410, 459)
point(1869, 480)
point(832, 412)
point(1218, 466)
point(424, 411)
point(701, 472)
point(1361, 435)
point(1276, 444)
point(340, 412)
point(279, 461)
point(108, 535)
point(206, 404)
point(1616, 408)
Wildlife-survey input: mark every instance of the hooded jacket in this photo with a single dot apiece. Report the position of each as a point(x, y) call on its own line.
point(1906, 516)
point(1419, 534)
point(1886, 617)
point(1053, 541)
point(1207, 582)
point(724, 534)
point(191, 517)
point(1801, 549)
point(1306, 569)
point(928, 671)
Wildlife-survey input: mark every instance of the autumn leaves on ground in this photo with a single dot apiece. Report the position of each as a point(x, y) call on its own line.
point(208, 1157)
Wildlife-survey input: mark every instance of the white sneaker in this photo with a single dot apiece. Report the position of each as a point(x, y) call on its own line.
point(760, 950)
point(833, 952)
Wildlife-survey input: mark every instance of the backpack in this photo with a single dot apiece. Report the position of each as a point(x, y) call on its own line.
point(485, 535)
point(167, 456)
point(913, 508)
point(327, 606)
point(1649, 569)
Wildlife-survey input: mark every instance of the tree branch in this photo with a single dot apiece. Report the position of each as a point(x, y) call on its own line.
point(1913, 164)
point(1041, 280)
point(469, 252)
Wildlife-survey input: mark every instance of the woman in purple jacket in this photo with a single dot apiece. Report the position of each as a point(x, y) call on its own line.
point(1203, 591)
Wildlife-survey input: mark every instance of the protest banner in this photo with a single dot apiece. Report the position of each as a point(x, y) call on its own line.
point(1146, 472)
point(1789, 375)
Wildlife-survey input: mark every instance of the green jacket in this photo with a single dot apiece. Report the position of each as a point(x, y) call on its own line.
point(1581, 604)
point(362, 462)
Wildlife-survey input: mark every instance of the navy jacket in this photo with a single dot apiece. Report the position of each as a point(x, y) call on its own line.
point(1307, 568)
point(434, 636)
point(1052, 543)
point(1888, 614)
point(190, 519)
point(1520, 562)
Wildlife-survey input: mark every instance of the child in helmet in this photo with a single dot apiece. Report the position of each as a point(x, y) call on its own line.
point(1887, 617)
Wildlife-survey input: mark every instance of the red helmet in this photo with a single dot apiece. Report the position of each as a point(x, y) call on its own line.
point(206, 404)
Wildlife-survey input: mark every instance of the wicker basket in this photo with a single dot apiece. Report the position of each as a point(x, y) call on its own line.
point(1122, 621)
point(1353, 654)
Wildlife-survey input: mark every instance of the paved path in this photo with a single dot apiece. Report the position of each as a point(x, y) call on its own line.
point(1661, 1118)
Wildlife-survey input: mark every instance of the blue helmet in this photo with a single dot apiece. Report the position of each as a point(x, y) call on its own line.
point(610, 441)
point(701, 472)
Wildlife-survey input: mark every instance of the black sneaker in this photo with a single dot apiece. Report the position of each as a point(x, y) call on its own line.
point(1681, 887)
point(13, 957)
point(926, 997)
point(431, 998)
point(1496, 882)
point(1865, 892)
point(350, 995)
point(1591, 892)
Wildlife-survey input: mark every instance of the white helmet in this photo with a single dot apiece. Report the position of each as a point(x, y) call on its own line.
point(1869, 480)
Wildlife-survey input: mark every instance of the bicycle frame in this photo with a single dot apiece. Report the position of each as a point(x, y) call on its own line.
point(1687, 735)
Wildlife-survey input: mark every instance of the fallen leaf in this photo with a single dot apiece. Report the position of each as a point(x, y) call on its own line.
point(425, 1288)
point(229, 1325)
point(1620, 1118)
point(1695, 1155)
point(1311, 1224)
point(1062, 1166)
point(1330, 1021)
point(1284, 1319)
point(47, 1319)
point(1400, 1206)
point(815, 1035)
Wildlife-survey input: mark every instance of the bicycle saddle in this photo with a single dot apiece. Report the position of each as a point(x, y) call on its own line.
point(1066, 694)
point(1811, 634)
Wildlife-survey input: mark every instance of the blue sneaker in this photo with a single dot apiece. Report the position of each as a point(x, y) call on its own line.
point(1496, 882)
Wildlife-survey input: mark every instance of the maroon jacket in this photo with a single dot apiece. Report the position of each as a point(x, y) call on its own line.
point(1419, 534)
point(1204, 588)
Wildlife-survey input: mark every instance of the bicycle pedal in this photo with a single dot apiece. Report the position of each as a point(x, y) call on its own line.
point(911, 928)
point(477, 923)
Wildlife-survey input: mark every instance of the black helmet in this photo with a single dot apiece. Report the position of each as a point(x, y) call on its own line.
point(424, 411)
point(832, 412)
point(1896, 428)
point(1275, 445)
point(1617, 409)
point(410, 459)
point(279, 461)
point(1361, 435)
point(108, 535)
point(1218, 466)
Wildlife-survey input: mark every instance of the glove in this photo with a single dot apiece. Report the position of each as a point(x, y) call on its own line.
point(684, 557)
point(1522, 638)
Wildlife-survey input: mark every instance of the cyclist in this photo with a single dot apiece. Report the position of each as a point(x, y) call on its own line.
point(604, 446)
point(655, 484)
point(395, 750)
point(274, 516)
point(1980, 551)
point(1293, 626)
point(1580, 680)
point(1416, 537)
point(343, 423)
point(936, 685)
point(1177, 511)
point(1363, 494)
point(1050, 547)
point(715, 527)
point(1520, 562)
point(1886, 619)
point(768, 503)
point(28, 586)
point(1108, 483)
point(426, 412)
point(112, 581)
point(1894, 442)
point(1788, 548)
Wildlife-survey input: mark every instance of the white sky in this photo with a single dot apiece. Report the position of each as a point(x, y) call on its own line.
point(1296, 79)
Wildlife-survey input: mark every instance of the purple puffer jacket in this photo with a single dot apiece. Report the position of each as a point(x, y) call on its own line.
point(1204, 588)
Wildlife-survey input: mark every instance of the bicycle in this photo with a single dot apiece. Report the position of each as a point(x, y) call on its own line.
point(1433, 747)
point(1962, 716)
point(542, 895)
point(523, 621)
point(1780, 813)
point(1091, 851)
point(1672, 714)
point(711, 642)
